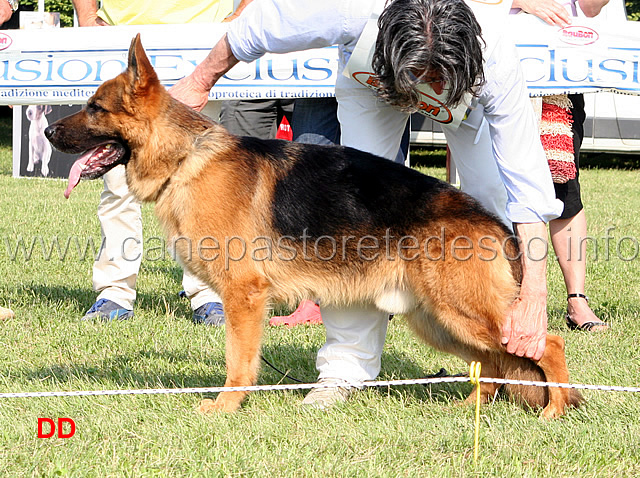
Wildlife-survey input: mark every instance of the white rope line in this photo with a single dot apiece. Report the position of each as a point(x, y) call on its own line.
point(580, 386)
point(303, 386)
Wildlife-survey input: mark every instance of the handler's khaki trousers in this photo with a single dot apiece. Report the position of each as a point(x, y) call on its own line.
point(116, 270)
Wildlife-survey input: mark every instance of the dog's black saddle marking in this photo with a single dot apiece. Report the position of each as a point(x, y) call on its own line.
point(329, 190)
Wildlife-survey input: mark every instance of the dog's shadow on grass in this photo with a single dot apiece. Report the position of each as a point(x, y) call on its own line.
point(400, 366)
point(126, 371)
point(290, 360)
point(299, 362)
point(130, 371)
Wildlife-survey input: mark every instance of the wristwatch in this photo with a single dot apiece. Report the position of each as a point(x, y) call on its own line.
point(14, 4)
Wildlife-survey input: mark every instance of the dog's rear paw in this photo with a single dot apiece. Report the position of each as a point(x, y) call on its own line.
point(552, 411)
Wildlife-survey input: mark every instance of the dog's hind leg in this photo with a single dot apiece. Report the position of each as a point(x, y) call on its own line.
point(244, 304)
point(489, 369)
point(496, 363)
point(429, 329)
point(554, 365)
point(474, 340)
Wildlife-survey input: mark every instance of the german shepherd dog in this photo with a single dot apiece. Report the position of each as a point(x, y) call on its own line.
point(263, 221)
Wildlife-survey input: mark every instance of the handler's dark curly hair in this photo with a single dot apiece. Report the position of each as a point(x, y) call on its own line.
point(426, 37)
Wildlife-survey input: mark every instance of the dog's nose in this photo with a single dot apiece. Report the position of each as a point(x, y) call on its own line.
point(51, 130)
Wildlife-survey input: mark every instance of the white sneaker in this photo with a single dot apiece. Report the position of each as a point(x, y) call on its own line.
point(325, 397)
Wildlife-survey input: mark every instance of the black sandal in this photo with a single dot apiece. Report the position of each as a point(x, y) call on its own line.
point(587, 326)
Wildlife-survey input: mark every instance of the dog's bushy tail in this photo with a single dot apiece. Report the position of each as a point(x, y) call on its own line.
point(518, 368)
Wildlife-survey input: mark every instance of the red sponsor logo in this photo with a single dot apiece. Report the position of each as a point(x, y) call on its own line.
point(47, 427)
point(578, 35)
point(373, 81)
point(429, 105)
point(435, 109)
point(367, 79)
point(5, 41)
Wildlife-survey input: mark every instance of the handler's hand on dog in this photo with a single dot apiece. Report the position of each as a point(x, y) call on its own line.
point(193, 90)
point(189, 92)
point(525, 328)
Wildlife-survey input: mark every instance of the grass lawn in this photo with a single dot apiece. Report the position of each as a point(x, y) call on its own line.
point(405, 431)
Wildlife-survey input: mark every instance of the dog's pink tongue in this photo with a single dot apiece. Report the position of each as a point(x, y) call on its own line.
point(76, 171)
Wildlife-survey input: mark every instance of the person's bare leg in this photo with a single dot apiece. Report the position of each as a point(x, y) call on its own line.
point(567, 237)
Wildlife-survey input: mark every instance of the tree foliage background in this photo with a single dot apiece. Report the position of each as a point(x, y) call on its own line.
point(633, 9)
point(64, 7)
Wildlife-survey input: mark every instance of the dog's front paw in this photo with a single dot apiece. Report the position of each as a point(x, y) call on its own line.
point(207, 406)
point(30, 167)
point(225, 402)
point(45, 170)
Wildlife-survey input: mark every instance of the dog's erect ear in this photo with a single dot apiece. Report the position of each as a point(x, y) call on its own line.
point(47, 109)
point(140, 70)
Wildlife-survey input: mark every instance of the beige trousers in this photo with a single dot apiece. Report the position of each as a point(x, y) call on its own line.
point(116, 269)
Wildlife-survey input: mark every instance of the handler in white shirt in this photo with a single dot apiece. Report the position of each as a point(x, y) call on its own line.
point(513, 159)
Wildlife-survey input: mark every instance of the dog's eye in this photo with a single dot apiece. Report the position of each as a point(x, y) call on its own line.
point(95, 108)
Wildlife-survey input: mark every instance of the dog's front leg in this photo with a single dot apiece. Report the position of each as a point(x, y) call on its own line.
point(244, 306)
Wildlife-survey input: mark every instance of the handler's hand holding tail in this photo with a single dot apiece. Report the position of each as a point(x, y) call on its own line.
point(193, 90)
point(525, 327)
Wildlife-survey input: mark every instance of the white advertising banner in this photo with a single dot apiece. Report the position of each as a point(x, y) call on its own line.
point(587, 56)
point(65, 66)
